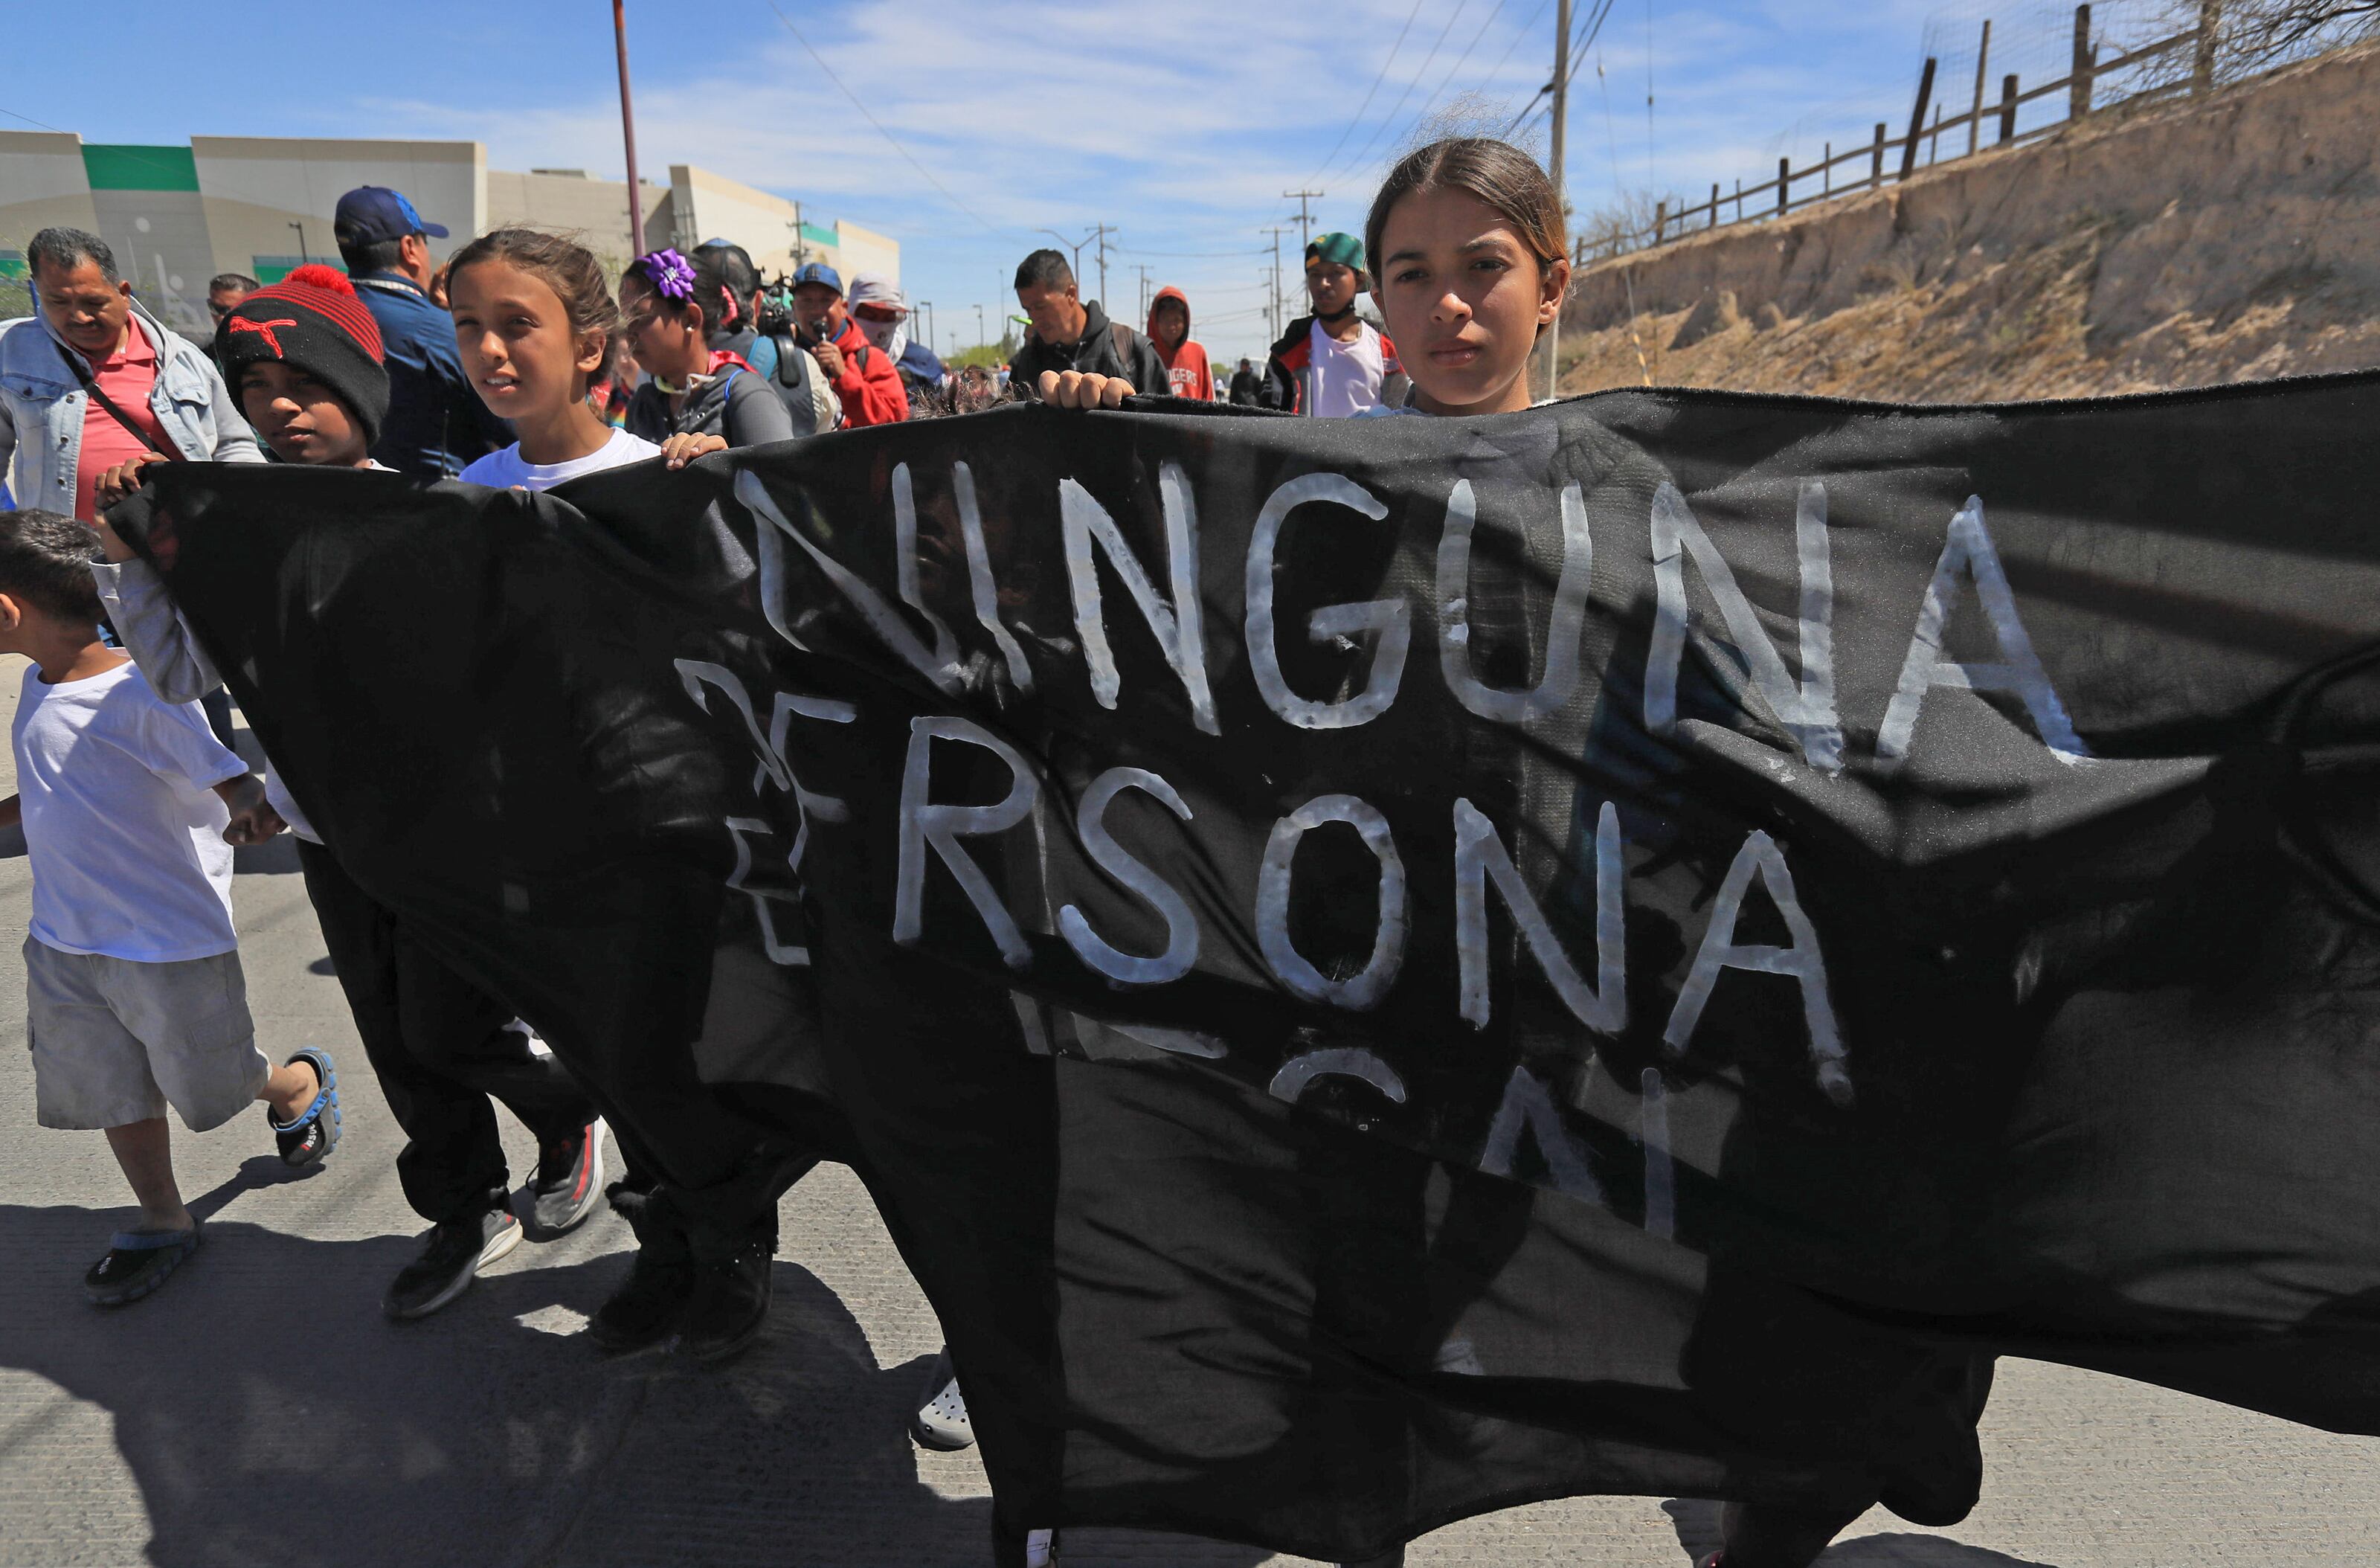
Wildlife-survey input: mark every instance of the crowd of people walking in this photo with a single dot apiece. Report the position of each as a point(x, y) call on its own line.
point(521, 363)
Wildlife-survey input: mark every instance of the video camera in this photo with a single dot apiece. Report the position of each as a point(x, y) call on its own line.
point(773, 307)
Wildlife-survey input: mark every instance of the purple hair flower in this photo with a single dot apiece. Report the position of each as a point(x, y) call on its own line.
point(671, 274)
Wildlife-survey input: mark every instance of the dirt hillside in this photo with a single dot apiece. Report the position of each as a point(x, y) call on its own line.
point(2235, 238)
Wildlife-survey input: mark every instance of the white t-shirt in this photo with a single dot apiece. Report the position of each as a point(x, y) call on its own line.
point(1345, 377)
point(123, 829)
point(501, 470)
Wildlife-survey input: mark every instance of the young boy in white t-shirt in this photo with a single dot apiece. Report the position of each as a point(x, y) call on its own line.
point(134, 995)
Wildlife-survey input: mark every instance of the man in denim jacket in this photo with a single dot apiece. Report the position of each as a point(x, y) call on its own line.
point(57, 370)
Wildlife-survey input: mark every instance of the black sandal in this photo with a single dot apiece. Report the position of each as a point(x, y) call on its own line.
point(316, 1131)
point(137, 1263)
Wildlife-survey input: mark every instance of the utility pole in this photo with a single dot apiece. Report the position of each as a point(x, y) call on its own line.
point(1305, 218)
point(1277, 231)
point(1560, 114)
point(926, 307)
point(978, 326)
point(1101, 233)
point(628, 132)
point(1142, 268)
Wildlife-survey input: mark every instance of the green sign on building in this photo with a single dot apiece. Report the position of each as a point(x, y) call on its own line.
point(122, 166)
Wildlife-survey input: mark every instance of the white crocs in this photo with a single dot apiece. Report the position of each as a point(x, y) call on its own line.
point(941, 1422)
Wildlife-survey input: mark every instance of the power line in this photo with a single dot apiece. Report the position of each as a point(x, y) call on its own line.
point(1648, 97)
point(1587, 32)
point(1460, 61)
point(1382, 76)
point(1499, 69)
point(30, 121)
point(887, 135)
point(1389, 119)
point(1188, 255)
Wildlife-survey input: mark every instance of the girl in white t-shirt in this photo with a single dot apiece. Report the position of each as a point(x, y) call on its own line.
point(534, 324)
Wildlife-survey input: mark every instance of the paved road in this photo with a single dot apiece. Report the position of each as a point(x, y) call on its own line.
point(260, 1411)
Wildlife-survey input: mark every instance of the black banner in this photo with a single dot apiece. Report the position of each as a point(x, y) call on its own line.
point(1379, 969)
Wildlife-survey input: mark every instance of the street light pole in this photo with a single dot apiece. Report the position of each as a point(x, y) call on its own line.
point(1074, 245)
point(628, 132)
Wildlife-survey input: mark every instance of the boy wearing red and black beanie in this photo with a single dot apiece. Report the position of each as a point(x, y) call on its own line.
point(283, 348)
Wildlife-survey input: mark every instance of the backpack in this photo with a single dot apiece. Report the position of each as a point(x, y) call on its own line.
point(1124, 336)
point(793, 389)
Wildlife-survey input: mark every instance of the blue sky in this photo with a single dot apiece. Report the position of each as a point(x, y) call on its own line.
point(1180, 124)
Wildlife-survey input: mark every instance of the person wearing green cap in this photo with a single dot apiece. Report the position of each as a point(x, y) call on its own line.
point(1334, 363)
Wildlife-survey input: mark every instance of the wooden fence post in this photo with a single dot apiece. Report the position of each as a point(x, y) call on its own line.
point(2078, 92)
point(1917, 115)
point(1714, 222)
point(2202, 65)
point(1875, 174)
point(1739, 198)
point(1826, 172)
point(1933, 142)
point(1784, 183)
point(1976, 113)
point(1660, 220)
point(2008, 108)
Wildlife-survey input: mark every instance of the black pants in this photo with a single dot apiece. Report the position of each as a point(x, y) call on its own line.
point(440, 1048)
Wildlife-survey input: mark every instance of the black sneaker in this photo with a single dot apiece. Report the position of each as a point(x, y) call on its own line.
point(569, 1181)
point(457, 1251)
point(645, 1310)
point(730, 1301)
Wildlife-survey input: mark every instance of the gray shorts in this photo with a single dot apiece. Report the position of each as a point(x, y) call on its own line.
point(116, 1041)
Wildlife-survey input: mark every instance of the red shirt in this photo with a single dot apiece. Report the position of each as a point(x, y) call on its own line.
point(1185, 367)
point(127, 376)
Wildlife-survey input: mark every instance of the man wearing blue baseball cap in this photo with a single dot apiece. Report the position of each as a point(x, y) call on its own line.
point(436, 423)
point(862, 375)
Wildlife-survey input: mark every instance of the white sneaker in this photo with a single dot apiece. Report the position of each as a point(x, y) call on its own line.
point(1041, 1548)
point(941, 1422)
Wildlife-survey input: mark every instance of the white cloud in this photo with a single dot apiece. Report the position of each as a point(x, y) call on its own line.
point(1181, 123)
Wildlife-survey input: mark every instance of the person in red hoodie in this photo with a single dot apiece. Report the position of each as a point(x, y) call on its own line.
point(1186, 362)
point(863, 376)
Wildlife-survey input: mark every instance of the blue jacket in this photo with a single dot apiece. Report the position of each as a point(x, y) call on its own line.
point(436, 424)
point(42, 409)
point(921, 363)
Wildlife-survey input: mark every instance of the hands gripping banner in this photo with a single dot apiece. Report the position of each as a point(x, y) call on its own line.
point(1379, 969)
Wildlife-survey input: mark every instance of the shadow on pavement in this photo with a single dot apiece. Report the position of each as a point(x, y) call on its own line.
point(270, 1414)
point(1698, 1532)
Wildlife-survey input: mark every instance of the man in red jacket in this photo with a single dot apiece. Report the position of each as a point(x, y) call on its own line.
point(862, 375)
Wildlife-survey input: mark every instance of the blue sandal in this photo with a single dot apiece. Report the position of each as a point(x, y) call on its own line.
point(312, 1136)
point(137, 1263)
